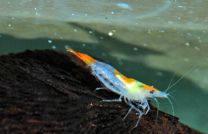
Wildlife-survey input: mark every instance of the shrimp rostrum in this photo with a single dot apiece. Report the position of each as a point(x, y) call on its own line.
point(134, 93)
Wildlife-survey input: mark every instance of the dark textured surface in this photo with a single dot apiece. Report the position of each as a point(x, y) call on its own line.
point(50, 92)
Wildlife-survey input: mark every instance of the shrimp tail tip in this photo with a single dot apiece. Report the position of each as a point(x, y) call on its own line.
point(71, 51)
point(84, 57)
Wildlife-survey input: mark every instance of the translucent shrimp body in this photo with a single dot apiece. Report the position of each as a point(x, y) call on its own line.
point(134, 93)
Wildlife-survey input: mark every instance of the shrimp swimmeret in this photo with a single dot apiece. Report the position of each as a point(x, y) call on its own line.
point(133, 92)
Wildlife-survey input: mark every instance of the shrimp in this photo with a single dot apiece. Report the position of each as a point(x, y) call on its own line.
point(134, 93)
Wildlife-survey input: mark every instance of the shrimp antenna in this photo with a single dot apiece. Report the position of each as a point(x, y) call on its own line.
point(173, 111)
point(170, 81)
point(172, 91)
point(157, 102)
point(171, 97)
point(185, 74)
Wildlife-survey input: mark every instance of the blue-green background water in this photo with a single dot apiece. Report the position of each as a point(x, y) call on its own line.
point(150, 41)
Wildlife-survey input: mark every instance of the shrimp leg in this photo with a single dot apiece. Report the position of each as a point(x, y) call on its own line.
point(139, 113)
point(114, 100)
point(100, 88)
point(130, 109)
point(145, 106)
point(127, 113)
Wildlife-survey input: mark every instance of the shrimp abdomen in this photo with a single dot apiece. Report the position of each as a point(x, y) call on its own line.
point(105, 73)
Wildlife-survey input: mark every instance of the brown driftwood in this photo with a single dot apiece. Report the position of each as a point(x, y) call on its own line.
point(51, 92)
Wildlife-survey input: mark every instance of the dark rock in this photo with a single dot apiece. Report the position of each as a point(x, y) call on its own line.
point(51, 92)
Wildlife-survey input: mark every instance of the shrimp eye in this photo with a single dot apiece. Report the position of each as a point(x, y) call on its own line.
point(152, 91)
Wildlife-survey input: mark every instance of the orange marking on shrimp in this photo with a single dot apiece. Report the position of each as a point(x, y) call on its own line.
point(84, 57)
point(123, 78)
point(151, 88)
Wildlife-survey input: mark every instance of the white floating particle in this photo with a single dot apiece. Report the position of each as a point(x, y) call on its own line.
point(162, 31)
point(110, 33)
point(181, 6)
point(66, 46)
point(86, 14)
point(170, 22)
point(36, 13)
point(50, 41)
point(200, 41)
point(112, 12)
point(123, 5)
point(90, 32)
point(9, 25)
point(197, 48)
point(187, 44)
point(54, 47)
point(144, 44)
point(135, 49)
point(190, 12)
point(186, 59)
point(83, 44)
point(72, 14)
point(75, 30)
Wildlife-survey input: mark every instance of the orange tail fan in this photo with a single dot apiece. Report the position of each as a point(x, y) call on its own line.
point(84, 57)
